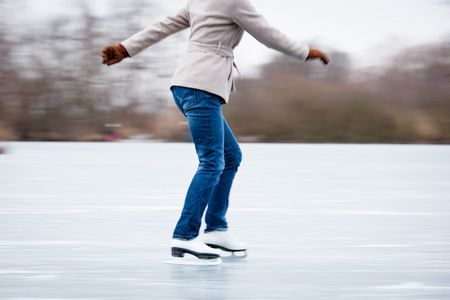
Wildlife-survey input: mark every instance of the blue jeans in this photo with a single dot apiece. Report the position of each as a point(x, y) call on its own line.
point(219, 157)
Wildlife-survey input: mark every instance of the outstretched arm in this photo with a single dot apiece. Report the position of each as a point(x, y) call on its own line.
point(246, 16)
point(147, 37)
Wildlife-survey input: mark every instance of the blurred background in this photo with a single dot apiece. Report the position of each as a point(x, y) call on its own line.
point(94, 220)
point(389, 80)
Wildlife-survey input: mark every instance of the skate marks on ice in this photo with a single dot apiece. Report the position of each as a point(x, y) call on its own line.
point(341, 222)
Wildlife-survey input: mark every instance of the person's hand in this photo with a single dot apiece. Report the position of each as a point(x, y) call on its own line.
point(314, 54)
point(113, 54)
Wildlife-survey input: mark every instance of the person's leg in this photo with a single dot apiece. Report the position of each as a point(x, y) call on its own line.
point(216, 234)
point(218, 204)
point(204, 115)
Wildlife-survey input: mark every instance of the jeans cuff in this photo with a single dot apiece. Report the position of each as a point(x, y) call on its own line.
point(216, 229)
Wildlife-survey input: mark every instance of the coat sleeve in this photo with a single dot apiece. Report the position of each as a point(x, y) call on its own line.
point(157, 31)
point(246, 16)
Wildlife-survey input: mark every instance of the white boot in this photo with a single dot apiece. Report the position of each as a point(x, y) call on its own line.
point(194, 247)
point(223, 240)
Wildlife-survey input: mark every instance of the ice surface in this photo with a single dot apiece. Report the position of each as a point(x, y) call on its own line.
point(94, 221)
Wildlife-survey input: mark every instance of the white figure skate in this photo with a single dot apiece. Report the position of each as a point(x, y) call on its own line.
point(198, 253)
point(224, 241)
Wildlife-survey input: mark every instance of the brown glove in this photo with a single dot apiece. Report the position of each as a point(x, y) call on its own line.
point(113, 54)
point(314, 53)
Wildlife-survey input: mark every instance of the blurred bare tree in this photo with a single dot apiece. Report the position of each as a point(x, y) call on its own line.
point(406, 101)
point(335, 72)
point(54, 87)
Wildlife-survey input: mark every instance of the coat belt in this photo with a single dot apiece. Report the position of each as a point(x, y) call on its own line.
point(217, 49)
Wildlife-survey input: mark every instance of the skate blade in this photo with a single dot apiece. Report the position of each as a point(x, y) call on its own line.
point(228, 254)
point(190, 260)
point(236, 255)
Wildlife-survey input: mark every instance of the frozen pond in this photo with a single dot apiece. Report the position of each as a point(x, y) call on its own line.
point(94, 221)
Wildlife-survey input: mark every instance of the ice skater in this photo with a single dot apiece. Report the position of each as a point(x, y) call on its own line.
point(201, 84)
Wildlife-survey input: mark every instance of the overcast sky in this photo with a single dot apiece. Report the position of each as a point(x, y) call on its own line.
point(368, 30)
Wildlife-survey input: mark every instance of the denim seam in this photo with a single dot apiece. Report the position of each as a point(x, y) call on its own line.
point(194, 102)
point(234, 148)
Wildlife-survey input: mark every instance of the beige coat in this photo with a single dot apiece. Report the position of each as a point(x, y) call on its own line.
point(217, 27)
